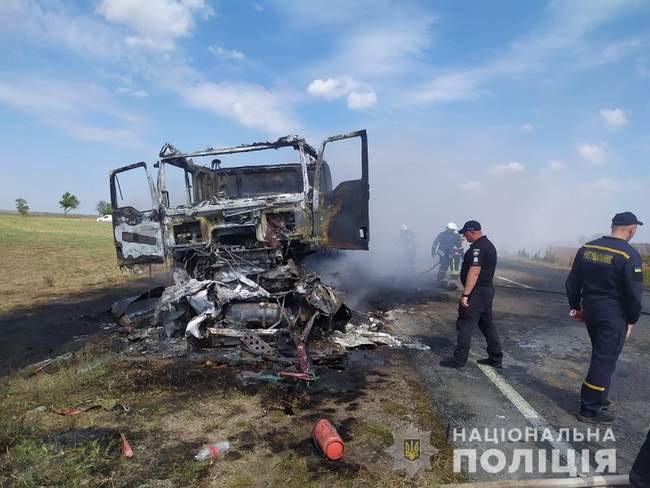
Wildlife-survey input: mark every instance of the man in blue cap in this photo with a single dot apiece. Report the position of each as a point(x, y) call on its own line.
point(475, 304)
point(605, 289)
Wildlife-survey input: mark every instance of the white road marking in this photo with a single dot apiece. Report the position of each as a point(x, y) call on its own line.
point(526, 409)
point(514, 282)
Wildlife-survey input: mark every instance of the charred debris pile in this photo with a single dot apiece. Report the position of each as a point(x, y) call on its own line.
point(281, 321)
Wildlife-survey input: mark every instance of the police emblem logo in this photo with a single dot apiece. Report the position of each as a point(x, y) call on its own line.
point(412, 449)
point(477, 252)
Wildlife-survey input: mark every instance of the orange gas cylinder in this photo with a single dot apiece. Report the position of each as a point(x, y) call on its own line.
point(329, 441)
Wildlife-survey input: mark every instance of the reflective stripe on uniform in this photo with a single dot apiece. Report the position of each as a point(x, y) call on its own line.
point(610, 249)
point(594, 387)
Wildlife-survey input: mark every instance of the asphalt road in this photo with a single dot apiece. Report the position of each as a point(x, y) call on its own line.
point(546, 358)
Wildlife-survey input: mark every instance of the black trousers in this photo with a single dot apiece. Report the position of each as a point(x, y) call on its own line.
point(640, 474)
point(478, 313)
point(607, 329)
point(445, 260)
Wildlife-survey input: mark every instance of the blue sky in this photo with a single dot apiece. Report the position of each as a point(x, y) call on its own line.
point(532, 116)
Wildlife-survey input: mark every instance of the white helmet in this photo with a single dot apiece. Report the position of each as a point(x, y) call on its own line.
point(452, 226)
point(403, 228)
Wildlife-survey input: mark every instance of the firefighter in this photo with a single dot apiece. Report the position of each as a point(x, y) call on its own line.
point(445, 246)
point(605, 288)
point(475, 304)
point(406, 242)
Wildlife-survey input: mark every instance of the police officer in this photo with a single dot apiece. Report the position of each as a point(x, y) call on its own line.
point(475, 307)
point(605, 288)
point(444, 246)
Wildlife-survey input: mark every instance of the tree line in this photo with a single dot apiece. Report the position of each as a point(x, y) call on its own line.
point(68, 202)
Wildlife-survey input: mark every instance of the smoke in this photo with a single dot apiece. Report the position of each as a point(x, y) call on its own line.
point(426, 182)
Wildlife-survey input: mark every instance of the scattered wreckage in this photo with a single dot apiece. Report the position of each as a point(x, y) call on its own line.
point(235, 245)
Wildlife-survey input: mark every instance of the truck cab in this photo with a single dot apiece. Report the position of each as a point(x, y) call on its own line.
point(241, 218)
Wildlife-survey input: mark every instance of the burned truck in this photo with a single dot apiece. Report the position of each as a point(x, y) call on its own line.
point(245, 218)
point(236, 240)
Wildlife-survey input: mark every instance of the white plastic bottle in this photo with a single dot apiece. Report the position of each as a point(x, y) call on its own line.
point(212, 451)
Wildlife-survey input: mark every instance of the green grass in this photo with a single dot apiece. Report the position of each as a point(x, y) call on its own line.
point(46, 257)
point(37, 463)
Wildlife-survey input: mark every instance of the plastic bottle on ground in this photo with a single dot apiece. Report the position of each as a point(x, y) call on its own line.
point(212, 451)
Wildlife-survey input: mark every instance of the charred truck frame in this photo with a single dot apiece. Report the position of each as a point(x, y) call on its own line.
point(234, 244)
point(252, 216)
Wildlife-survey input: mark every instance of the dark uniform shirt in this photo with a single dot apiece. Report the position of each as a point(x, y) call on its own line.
point(481, 253)
point(607, 272)
point(446, 242)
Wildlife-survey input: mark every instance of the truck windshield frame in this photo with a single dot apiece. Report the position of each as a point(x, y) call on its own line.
point(169, 155)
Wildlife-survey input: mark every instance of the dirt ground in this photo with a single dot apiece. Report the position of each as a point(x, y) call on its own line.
point(175, 407)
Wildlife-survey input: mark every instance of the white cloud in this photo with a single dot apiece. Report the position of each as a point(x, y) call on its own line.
point(84, 111)
point(508, 168)
point(249, 104)
point(157, 23)
point(361, 100)
point(602, 186)
point(614, 118)
point(55, 23)
point(121, 137)
point(527, 127)
point(556, 165)
point(125, 90)
point(564, 28)
point(470, 186)
point(613, 52)
point(372, 38)
point(593, 153)
point(228, 54)
point(331, 88)
point(447, 88)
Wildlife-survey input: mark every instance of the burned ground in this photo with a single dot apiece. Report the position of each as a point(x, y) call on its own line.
point(175, 407)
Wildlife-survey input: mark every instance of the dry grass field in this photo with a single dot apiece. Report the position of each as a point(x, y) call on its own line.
point(49, 257)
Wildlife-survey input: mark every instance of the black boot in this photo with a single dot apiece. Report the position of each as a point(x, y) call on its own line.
point(495, 363)
point(590, 417)
point(451, 363)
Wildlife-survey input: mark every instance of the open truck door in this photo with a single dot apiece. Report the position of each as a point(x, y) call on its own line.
point(341, 215)
point(137, 232)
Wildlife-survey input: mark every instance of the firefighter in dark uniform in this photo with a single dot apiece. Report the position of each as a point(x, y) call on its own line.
point(605, 288)
point(406, 242)
point(475, 307)
point(444, 246)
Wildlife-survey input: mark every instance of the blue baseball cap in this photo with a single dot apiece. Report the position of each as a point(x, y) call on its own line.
point(626, 218)
point(470, 225)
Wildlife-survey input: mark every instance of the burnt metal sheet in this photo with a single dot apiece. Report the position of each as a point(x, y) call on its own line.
point(342, 215)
